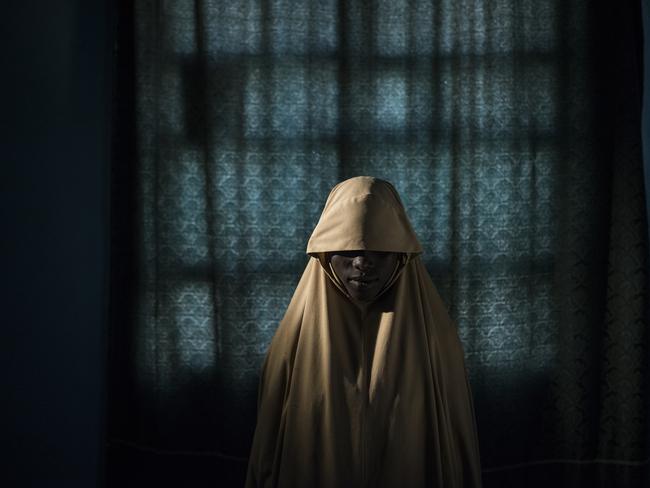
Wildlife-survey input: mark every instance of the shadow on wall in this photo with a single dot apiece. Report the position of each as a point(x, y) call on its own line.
point(54, 201)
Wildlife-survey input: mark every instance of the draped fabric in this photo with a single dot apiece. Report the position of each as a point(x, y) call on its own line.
point(511, 129)
point(366, 395)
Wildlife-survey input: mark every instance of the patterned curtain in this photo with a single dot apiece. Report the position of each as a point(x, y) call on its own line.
point(511, 130)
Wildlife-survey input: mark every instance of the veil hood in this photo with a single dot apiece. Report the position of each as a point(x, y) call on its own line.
point(363, 213)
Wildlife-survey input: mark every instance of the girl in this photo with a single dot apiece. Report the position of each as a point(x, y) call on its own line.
point(364, 383)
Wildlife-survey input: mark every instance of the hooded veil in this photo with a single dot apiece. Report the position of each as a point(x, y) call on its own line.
point(373, 396)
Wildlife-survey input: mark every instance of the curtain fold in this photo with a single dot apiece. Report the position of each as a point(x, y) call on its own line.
point(512, 131)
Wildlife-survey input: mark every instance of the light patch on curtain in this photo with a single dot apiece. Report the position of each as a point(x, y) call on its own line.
point(323, 118)
point(233, 28)
point(181, 343)
point(288, 101)
point(192, 309)
point(280, 103)
point(391, 103)
point(187, 222)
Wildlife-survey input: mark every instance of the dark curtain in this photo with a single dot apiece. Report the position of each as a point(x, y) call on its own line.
point(510, 128)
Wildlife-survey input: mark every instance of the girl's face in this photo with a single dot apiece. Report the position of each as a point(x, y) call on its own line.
point(363, 273)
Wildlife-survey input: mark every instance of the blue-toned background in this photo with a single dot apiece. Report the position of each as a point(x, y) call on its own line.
point(512, 132)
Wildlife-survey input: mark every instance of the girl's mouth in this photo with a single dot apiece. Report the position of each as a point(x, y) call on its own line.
point(362, 282)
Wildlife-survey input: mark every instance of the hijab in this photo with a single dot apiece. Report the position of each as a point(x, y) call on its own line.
point(373, 396)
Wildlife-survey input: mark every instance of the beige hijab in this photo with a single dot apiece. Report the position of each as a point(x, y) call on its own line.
point(365, 397)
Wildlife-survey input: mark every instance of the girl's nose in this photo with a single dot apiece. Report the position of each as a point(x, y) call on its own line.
point(362, 262)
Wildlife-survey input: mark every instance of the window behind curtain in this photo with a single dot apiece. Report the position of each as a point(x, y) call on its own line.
point(482, 115)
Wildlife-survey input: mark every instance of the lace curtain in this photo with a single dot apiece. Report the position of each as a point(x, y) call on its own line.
point(512, 131)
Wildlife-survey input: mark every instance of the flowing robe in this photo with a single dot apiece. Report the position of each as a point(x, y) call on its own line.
point(373, 396)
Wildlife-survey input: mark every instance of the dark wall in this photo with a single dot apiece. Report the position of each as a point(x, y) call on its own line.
point(54, 218)
point(646, 102)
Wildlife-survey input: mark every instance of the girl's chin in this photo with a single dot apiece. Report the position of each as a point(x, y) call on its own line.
point(363, 297)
